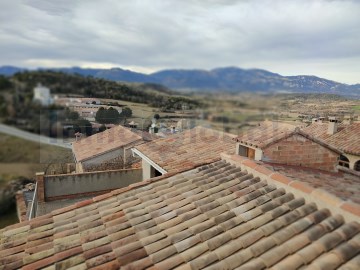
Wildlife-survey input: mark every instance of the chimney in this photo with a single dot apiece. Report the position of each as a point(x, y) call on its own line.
point(332, 128)
point(78, 136)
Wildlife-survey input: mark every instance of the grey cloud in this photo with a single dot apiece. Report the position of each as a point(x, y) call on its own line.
point(185, 34)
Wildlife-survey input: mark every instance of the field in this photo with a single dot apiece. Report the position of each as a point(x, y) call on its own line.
point(22, 158)
point(14, 149)
point(356, 108)
point(233, 112)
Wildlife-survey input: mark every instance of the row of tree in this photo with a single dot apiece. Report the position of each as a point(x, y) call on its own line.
point(112, 116)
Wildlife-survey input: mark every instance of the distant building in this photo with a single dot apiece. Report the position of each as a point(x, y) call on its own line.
point(42, 95)
point(88, 111)
point(132, 124)
point(185, 124)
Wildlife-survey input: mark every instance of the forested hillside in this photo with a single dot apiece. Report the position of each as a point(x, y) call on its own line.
point(155, 95)
point(17, 106)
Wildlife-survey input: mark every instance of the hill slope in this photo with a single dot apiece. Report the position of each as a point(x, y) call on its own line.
point(230, 79)
point(59, 82)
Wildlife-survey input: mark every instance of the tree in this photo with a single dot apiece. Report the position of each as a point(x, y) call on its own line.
point(102, 128)
point(100, 115)
point(107, 116)
point(126, 113)
point(113, 116)
point(83, 126)
point(5, 83)
point(3, 110)
point(71, 115)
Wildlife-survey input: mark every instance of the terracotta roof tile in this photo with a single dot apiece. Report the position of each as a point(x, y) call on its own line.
point(103, 142)
point(208, 218)
point(265, 133)
point(352, 264)
point(346, 139)
point(189, 149)
point(341, 185)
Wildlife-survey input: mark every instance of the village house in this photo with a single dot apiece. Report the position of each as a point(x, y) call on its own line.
point(345, 137)
point(233, 213)
point(275, 142)
point(110, 149)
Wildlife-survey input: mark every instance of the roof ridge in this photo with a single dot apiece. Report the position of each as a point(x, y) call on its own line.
point(103, 143)
point(288, 133)
point(112, 129)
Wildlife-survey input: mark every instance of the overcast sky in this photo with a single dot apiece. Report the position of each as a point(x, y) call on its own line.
point(288, 37)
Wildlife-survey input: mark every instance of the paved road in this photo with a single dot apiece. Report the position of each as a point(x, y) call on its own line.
point(33, 137)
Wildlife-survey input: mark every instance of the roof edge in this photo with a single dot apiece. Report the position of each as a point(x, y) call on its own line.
point(92, 172)
point(321, 142)
point(347, 170)
point(156, 166)
point(105, 152)
point(348, 209)
point(296, 131)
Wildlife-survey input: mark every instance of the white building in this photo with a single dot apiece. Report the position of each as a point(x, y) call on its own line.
point(42, 95)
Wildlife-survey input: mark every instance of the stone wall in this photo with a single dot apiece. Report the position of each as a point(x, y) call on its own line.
point(300, 151)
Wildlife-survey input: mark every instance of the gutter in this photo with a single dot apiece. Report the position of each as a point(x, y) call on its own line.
point(148, 160)
point(32, 203)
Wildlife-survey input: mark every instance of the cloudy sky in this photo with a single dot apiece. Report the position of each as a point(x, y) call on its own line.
point(285, 36)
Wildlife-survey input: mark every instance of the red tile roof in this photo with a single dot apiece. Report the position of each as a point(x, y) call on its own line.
point(103, 142)
point(266, 133)
point(347, 139)
point(214, 217)
point(343, 185)
point(188, 149)
point(271, 132)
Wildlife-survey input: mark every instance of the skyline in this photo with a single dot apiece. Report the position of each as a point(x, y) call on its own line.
point(320, 38)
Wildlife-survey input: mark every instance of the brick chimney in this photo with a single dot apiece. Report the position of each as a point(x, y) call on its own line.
point(332, 127)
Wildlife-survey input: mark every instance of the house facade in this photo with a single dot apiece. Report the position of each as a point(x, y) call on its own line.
point(287, 145)
point(344, 136)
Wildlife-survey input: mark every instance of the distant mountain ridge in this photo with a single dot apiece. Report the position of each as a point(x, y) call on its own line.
point(229, 79)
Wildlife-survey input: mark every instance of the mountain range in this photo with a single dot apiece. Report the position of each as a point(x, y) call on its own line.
point(228, 79)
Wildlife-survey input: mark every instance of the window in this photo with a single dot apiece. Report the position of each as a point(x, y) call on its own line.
point(357, 166)
point(246, 152)
point(344, 161)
